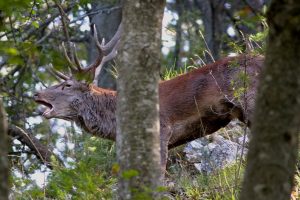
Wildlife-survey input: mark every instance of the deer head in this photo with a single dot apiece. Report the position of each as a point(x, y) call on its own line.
point(60, 99)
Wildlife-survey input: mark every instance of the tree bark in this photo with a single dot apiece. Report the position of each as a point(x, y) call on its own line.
point(4, 167)
point(138, 143)
point(179, 6)
point(273, 148)
point(212, 15)
point(107, 22)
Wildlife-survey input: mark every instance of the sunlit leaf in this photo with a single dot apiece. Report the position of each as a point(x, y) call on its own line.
point(35, 24)
point(12, 51)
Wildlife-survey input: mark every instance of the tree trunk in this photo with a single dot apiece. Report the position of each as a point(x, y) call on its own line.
point(4, 167)
point(107, 22)
point(212, 15)
point(179, 6)
point(273, 148)
point(138, 143)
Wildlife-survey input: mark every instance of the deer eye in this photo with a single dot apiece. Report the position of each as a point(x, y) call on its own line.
point(66, 86)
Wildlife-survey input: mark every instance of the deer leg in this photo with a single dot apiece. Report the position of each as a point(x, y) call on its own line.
point(165, 135)
point(164, 156)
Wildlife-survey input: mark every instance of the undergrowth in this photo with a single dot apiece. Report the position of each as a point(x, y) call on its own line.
point(223, 184)
point(88, 177)
point(188, 183)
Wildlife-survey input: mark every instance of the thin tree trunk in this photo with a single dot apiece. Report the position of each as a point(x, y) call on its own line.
point(138, 144)
point(212, 15)
point(273, 148)
point(4, 167)
point(178, 41)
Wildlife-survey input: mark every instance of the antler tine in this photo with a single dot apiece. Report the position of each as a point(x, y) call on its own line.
point(104, 52)
point(77, 62)
point(111, 55)
point(107, 58)
point(71, 64)
point(57, 73)
point(112, 43)
point(105, 49)
point(100, 50)
point(103, 42)
point(60, 75)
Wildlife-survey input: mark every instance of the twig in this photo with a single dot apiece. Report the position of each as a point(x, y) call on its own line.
point(65, 28)
point(98, 11)
point(34, 145)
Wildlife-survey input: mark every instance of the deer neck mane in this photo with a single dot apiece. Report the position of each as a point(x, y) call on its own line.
point(96, 112)
point(98, 91)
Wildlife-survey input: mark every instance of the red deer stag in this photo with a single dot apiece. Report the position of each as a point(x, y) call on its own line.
point(192, 105)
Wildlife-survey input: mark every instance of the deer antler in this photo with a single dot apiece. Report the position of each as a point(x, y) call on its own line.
point(106, 53)
point(59, 74)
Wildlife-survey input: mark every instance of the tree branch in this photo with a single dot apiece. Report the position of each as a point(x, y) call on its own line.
point(38, 149)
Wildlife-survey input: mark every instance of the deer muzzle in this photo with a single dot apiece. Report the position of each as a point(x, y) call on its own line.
point(49, 111)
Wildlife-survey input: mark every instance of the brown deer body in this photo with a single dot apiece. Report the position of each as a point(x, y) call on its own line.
point(192, 105)
point(204, 100)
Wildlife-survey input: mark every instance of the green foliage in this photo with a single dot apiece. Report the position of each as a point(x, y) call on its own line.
point(260, 40)
point(34, 192)
point(240, 85)
point(82, 182)
point(87, 177)
point(169, 73)
point(220, 185)
point(11, 6)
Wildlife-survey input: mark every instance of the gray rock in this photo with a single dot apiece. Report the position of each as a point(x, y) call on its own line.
point(214, 152)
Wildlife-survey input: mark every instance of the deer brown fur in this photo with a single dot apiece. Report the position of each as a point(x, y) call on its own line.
point(192, 105)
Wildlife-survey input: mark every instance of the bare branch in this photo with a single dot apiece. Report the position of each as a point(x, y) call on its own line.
point(98, 11)
point(40, 150)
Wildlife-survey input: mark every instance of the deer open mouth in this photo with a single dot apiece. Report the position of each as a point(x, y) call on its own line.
point(49, 107)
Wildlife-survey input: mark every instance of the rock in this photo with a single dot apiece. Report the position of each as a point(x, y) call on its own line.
point(243, 140)
point(214, 152)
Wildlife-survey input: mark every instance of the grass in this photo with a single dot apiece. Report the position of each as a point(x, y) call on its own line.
point(188, 183)
point(221, 184)
point(171, 72)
